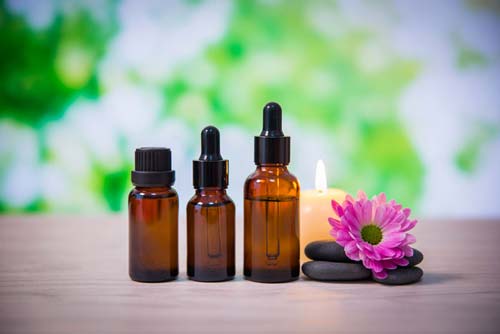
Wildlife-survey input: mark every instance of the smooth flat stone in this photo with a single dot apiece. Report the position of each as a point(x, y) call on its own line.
point(402, 276)
point(326, 250)
point(335, 271)
point(416, 258)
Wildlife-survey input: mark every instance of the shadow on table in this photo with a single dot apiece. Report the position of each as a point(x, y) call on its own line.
point(438, 278)
point(358, 282)
point(427, 279)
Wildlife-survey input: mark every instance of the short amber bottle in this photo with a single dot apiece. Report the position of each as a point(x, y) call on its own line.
point(210, 215)
point(153, 218)
point(271, 213)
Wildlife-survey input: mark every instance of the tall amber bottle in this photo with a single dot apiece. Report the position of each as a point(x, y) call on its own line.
point(153, 217)
point(271, 231)
point(210, 215)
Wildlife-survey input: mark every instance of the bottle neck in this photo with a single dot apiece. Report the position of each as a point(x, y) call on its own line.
point(272, 168)
point(153, 189)
point(210, 191)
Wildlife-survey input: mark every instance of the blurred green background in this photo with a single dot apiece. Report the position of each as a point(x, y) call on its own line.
point(401, 97)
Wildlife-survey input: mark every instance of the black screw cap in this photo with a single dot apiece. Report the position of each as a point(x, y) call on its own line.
point(153, 167)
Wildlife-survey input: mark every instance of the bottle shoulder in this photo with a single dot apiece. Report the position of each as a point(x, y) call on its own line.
point(210, 200)
point(259, 176)
point(153, 193)
point(271, 183)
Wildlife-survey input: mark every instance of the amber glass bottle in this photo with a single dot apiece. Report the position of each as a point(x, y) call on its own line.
point(153, 216)
point(271, 213)
point(210, 215)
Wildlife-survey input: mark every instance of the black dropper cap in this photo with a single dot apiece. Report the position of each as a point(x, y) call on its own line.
point(210, 170)
point(153, 167)
point(272, 146)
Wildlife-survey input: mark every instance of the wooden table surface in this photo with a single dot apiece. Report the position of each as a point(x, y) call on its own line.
point(68, 274)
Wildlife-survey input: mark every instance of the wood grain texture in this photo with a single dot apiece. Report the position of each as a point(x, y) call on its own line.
point(68, 274)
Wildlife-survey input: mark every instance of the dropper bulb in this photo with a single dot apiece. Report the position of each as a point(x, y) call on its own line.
point(210, 144)
point(272, 120)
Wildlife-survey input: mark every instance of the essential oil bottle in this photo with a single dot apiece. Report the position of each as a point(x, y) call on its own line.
point(210, 215)
point(271, 213)
point(153, 217)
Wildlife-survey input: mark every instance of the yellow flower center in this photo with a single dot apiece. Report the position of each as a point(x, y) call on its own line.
point(372, 234)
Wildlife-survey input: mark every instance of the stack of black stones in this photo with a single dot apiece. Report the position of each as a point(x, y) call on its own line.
point(331, 264)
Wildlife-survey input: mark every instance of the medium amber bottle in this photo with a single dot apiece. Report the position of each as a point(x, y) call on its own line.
point(271, 231)
point(153, 217)
point(210, 215)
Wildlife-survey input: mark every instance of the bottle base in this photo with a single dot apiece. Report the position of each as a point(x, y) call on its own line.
point(153, 276)
point(271, 276)
point(203, 274)
point(211, 280)
point(271, 281)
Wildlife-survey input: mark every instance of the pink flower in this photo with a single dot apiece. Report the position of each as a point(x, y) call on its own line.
point(373, 231)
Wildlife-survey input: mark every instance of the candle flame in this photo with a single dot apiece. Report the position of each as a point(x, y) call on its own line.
point(320, 180)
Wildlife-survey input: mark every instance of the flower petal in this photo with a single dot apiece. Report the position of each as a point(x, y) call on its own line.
point(408, 251)
point(355, 233)
point(385, 252)
point(343, 235)
point(379, 215)
point(358, 212)
point(410, 239)
point(349, 199)
point(335, 223)
point(408, 225)
point(407, 212)
point(380, 275)
point(350, 247)
point(340, 242)
point(361, 195)
point(367, 212)
point(352, 251)
point(351, 218)
point(401, 262)
point(389, 264)
point(353, 256)
point(391, 240)
point(391, 228)
point(381, 198)
point(377, 266)
point(337, 208)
